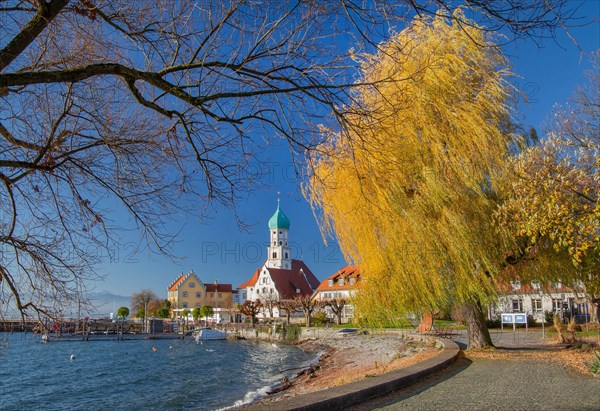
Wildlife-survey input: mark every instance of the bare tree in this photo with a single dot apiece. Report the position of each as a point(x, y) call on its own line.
point(143, 302)
point(337, 307)
point(308, 305)
point(163, 106)
point(251, 309)
point(270, 301)
point(290, 306)
point(231, 309)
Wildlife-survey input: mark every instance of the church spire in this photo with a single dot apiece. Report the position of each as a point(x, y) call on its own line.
point(279, 253)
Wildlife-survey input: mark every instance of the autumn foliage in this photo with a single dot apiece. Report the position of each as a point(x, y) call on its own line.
point(408, 190)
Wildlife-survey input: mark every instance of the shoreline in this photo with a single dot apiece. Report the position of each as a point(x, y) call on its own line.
point(346, 359)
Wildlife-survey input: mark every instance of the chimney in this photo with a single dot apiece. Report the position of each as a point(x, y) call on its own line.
point(216, 282)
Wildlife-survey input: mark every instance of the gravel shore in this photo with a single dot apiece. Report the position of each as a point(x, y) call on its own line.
point(348, 358)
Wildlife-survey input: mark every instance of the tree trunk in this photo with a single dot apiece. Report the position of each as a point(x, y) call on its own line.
point(479, 336)
point(595, 310)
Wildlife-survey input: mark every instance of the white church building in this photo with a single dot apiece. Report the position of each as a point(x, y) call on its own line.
point(280, 277)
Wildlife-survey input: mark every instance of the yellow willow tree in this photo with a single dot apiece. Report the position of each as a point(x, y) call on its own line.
point(408, 189)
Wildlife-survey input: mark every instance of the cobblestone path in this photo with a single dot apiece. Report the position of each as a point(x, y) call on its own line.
point(486, 384)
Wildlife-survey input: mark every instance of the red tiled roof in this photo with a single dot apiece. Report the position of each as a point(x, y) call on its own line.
point(177, 282)
point(299, 277)
point(346, 273)
point(287, 281)
point(221, 288)
point(252, 280)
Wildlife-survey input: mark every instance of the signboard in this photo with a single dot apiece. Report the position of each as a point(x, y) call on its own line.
point(514, 318)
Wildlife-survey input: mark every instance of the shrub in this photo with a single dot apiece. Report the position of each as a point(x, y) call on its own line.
point(594, 365)
point(320, 318)
point(493, 323)
point(531, 321)
point(291, 332)
point(549, 317)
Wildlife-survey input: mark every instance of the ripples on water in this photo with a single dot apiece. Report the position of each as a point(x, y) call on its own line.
point(109, 375)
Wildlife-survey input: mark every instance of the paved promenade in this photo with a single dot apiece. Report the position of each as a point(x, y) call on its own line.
point(486, 384)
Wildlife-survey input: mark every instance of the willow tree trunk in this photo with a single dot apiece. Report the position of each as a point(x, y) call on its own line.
point(477, 331)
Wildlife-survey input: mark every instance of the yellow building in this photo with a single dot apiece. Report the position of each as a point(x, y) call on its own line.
point(187, 291)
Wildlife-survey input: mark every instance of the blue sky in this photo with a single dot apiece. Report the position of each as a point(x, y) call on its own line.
point(218, 250)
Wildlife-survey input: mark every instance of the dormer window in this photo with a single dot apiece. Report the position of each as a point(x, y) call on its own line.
point(330, 283)
point(535, 284)
point(516, 284)
point(341, 281)
point(297, 291)
point(352, 281)
point(557, 284)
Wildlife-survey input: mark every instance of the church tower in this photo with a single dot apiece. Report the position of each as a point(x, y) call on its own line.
point(279, 253)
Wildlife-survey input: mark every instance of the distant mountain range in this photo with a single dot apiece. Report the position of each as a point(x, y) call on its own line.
point(105, 302)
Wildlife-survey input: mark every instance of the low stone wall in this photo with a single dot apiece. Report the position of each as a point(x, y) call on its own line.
point(269, 334)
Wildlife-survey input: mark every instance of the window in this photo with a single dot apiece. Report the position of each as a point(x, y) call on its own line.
point(352, 281)
point(274, 254)
point(220, 295)
point(214, 295)
point(517, 305)
point(271, 290)
point(274, 242)
point(192, 285)
point(286, 254)
point(184, 304)
point(196, 304)
point(556, 304)
point(281, 232)
point(341, 281)
point(274, 232)
point(198, 294)
point(297, 291)
point(280, 242)
point(515, 284)
point(330, 283)
point(536, 305)
point(257, 291)
point(535, 284)
point(557, 284)
point(184, 294)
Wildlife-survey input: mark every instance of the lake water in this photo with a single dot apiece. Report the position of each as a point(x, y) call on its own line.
point(129, 375)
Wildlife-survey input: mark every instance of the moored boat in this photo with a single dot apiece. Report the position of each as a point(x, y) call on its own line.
point(206, 334)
